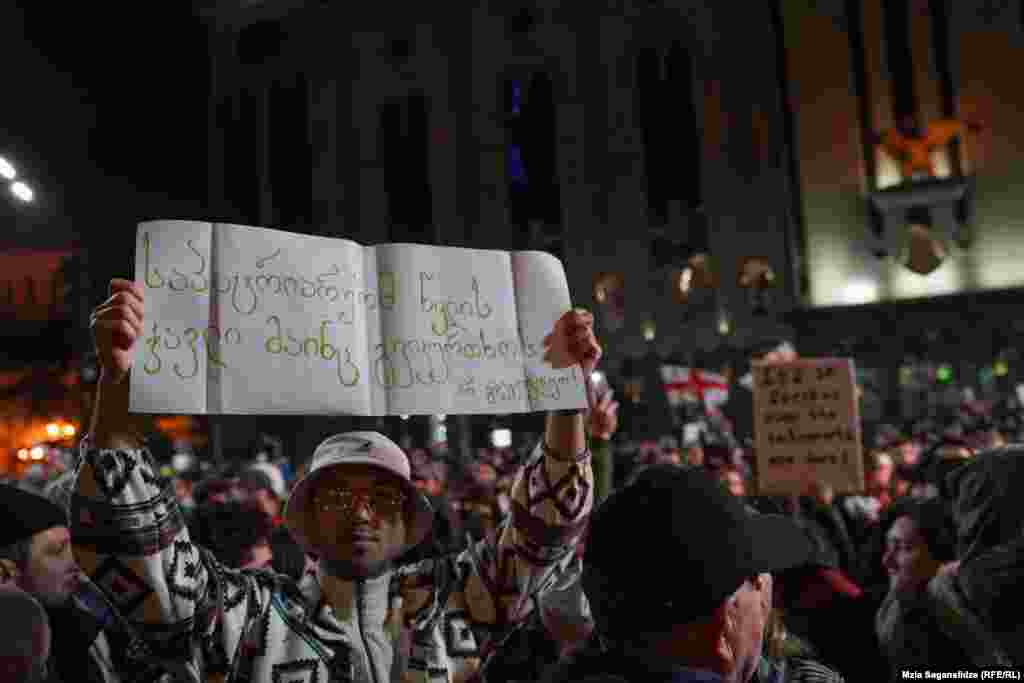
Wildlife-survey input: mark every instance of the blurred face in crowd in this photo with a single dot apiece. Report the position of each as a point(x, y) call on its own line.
point(263, 499)
point(907, 559)
point(182, 489)
point(51, 574)
point(485, 473)
point(822, 493)
point(882, 474)
point(901, 487)
point(910, 452)
point(359, 510)
point(784, 354)
point(733, 481)
point(695, 456)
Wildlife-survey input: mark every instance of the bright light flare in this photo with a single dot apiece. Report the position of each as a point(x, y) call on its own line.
point(22, 191)
point(501, 438)
point(7, 170)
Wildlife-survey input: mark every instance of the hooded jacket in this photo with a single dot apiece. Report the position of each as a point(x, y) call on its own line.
point(244, 625)
point(979, 604)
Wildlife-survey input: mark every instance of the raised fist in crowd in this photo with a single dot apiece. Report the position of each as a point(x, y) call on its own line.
point(116, 325)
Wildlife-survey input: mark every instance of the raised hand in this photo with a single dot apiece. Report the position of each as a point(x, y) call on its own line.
point(116, 325)
point(604, 418)
point(572, 342)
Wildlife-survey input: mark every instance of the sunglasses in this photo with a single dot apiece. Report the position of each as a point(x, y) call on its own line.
point(381, 502)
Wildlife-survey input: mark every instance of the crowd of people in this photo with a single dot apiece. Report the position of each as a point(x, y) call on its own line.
point(586, 557)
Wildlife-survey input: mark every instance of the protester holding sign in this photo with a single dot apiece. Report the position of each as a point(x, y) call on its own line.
point(807, 426)
point(357, 509)
point(251, 320)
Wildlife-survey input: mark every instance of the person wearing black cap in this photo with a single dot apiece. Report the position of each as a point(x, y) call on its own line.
point(35, 556)
point(688, 599)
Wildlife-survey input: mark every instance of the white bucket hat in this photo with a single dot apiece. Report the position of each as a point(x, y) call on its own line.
point(356, 448)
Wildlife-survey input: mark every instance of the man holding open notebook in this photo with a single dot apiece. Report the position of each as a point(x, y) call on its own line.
point(357, 510)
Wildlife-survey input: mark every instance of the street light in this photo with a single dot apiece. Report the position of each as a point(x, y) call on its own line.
point(22, 191)
point(7, 171)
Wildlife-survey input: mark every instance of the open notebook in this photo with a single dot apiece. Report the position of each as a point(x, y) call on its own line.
point(250, 320)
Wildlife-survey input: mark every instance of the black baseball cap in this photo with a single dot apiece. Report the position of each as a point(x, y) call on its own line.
point(672, 546)
point(25, 514)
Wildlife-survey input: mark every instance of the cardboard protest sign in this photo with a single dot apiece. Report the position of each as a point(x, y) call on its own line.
point(255, 321)
point(807, 426)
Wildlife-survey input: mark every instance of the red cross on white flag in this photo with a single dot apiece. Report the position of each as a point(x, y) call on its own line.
point(695, 385)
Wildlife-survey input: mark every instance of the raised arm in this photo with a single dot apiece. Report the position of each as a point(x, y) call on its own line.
point(128, 531)
point(116, 325)
point(603, 422)
point(553, 495)
point(489, 587)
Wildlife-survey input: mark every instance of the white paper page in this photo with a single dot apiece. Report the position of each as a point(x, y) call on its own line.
point(542, 297)
point(291, 310)
point(451, 343)
point(172, 263)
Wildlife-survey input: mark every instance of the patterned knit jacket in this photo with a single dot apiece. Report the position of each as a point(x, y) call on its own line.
point(219, 624)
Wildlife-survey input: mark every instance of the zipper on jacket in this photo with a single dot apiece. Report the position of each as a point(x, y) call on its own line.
point(362, 631)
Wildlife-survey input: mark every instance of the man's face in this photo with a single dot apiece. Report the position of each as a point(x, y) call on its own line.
point(882, 474)
point(182, 489)
point(910, 452)
point(907, 560)
point(263, 499)
point(360, 511)
point(822, 493)
point(734, 482)
point(52, 574)
point(753, 605)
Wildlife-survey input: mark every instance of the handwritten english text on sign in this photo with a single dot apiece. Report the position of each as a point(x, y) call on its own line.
point(251, 320)
point(807, 426)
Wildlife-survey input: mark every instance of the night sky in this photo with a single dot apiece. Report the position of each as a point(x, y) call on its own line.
point(103, 104)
